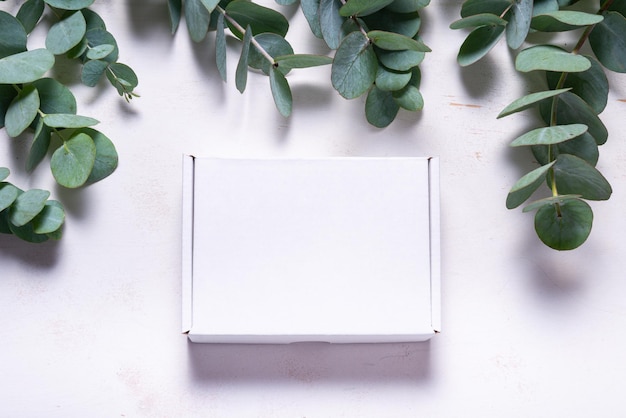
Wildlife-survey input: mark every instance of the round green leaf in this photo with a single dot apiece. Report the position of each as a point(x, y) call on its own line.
point(549, 201)
point(575, 176)
point(280, 91)
point(122, 77)
point(592, 85)
point(584, 147)
point(573, 109)
point(54, 97)
point(106, 155)
point(406, 24)
point(400, 60)
point(478, 43)
point(27, 205)
point(100, 51)
point(50, 219)
point(477, 20)
point(70, 4)
point(67, 120)
point(409, 98)
point(362, 7)
point(331, 22)
point(395, 42)
point(407, 6)
point(390, 80)
point(260, 19)
point(22, 111)
point(519, 22)
point(608, 41)
point(72, 163)
point(99, 36)
point(380, 107)
point(526, 186)
point(564, 226)
point(4, 173)
point(25, 67)
point(27, 233)
point(529, 101)
point(8, 194)
point(274, 45)
point(12, 35)
point(550, 58)
point(550, 135)
point(354, 66)
point(474, 7)
point(563, 20)
point(92, 72)
point(66, 33)
point(29, 14)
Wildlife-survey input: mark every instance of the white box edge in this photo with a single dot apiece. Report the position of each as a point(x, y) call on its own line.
point(435, 242)
point(187, 241)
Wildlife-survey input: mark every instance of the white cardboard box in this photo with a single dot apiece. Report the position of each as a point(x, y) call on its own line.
point(339, 250)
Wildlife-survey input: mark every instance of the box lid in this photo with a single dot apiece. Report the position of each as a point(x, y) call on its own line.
point(335, 250)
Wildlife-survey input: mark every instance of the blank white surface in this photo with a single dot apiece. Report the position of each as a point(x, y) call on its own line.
point(91, 325)
point(296, 250)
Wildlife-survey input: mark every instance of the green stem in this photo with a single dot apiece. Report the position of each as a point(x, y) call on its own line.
point(253, 41)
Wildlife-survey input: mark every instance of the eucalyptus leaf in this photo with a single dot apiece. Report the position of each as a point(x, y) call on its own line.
point(40, 145)
point(287, 62)
point(66, 33)
point(220, 47)
point(474, 7)
point(362, 7)
point(92, 72)
point(592, 85)
point(407, 24)
point(572, 109)
point(106, 159)
point(210, 4)
point(99, 36)
point(550, 58)
point(29, 14)
point(407, 6)
point(8, 194)
point(274, 45)
point(50, 219)
point(354, 67)
point(409, 98)
point(27, 233)
point(380, 107)
point(13, 36)
point(310, 9)
point(22, 111)
point(526, 186)
point(27, 205)
point(122, 77)
point(575, 176)
point(260, 19)
point(544, 6)
point(395, 42)
point(331, 22)
point(519, 23)
point(400, 60)
point(529, 100)
point(25, 67)
point(73, 161)
point(70, 4)
point(550, 135)
point(478, 43)
point(4, 173)
point(564, 226)
point(241, 73)
point(174, 8)
point(389, 80)
point(54, 97)
point(197, 17)
point(477, 20)
point(549, 201)
point(68, 120)
point(100, 51)
point(608, 41)
point(584, 147)
point(280, 91)
point(563, 20)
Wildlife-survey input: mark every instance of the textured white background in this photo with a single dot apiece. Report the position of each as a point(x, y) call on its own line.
point(91, 324)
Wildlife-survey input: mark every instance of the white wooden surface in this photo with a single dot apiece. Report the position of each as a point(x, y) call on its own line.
point(90, 325)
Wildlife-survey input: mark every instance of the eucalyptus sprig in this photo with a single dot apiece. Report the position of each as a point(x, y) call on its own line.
point(376, 43)
point(32, 101)
point(575, 93)
point(30, 215)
